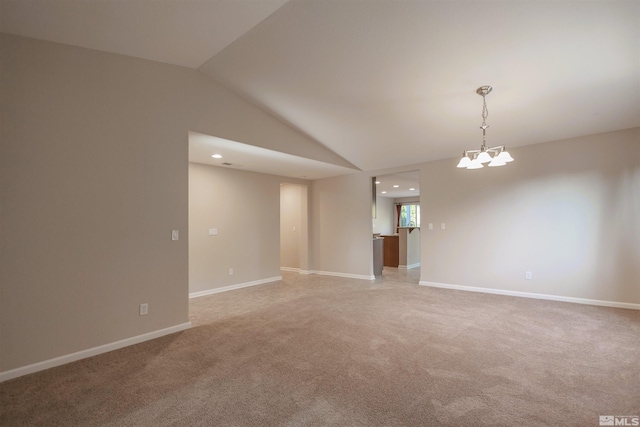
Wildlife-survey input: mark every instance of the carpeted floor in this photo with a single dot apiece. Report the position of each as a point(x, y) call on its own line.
point(328, 351)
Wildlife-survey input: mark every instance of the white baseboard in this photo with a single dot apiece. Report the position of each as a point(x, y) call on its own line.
point(329, 273)
point(233, 287)
point(615, 304)
point(83, 354)
point(348, 275)
point(408, 267)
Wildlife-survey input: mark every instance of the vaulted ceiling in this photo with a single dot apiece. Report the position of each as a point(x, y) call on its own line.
point(383, 83)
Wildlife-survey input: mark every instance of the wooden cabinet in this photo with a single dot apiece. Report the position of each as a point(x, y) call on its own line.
point(391, 251)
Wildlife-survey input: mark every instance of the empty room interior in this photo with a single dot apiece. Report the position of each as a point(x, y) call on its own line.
point(317, 212)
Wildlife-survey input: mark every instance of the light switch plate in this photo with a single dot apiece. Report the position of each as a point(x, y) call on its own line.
point(174, 234)
point(213, 232)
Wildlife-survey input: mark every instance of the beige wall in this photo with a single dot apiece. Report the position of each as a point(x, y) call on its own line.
point(383, 223)
point(244, 208)
point(567, 211)
point(340, 221)
point(93, 164)
point(409, 250)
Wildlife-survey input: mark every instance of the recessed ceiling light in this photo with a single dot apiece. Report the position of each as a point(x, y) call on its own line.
point(384, 192)
point(377, 182)
point(412, 189)
point(216, 156)
point(396, 186)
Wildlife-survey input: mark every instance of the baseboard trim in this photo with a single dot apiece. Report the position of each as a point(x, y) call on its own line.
point(234, 287)
point(83, 354)
point(297, 270)
point(408, 267)
point(347, 275)
point(329, 273)
point(614, 304)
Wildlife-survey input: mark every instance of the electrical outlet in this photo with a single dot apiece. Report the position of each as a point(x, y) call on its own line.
point(144, 309)
point(528, 275)
point(231, 272)
point(175, 234)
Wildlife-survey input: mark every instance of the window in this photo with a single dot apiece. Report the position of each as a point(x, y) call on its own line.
point(410, 216)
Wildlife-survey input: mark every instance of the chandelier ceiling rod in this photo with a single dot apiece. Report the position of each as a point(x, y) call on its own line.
point(474, 159)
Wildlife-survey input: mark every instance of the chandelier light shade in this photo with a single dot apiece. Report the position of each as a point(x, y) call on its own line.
point(495, 156)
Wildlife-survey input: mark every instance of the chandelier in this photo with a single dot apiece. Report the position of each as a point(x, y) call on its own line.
point(495, 156)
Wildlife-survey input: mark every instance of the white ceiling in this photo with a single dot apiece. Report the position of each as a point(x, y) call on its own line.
point(402, 184)
point(384, 83)
point(186, 32)
point(236, 155)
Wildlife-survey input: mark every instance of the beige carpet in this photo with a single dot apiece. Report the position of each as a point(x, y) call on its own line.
point(326, 351)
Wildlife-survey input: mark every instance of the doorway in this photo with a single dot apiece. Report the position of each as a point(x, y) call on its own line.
point(397, 219)
point(294, 236)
